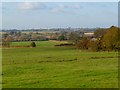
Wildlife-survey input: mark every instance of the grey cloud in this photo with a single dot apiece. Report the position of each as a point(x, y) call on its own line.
point(32, 5)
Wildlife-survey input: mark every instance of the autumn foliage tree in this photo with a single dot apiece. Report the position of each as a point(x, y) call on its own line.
point(111, 38)
point(84, 43)
point(105, 39)
point(99, 33)
point(95, 45)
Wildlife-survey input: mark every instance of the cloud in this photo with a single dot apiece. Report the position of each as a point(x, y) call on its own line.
point(32, 5)
point(52, 7)
point(58, 8)
point(65, 8)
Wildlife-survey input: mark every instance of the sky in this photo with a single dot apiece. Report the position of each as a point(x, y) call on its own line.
point(29, 15)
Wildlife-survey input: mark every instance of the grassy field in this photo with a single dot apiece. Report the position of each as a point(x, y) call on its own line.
point(47, 66)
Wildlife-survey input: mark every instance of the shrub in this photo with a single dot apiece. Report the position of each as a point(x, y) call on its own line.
point(33, 44)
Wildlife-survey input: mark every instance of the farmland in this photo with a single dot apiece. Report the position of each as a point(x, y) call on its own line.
point(47, 66)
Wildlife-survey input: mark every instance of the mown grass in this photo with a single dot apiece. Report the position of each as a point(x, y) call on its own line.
point(47, 66)
point(38, 43)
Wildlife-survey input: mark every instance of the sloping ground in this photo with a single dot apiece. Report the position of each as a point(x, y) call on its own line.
point(47, 66)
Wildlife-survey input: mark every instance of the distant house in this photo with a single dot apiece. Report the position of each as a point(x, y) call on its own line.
point(89, 34)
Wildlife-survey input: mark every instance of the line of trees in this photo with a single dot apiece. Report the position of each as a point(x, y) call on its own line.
point(6, 41)
point(103, 40)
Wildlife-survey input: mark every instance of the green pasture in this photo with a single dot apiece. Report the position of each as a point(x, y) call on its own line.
point(47, 66)
point(38, 43)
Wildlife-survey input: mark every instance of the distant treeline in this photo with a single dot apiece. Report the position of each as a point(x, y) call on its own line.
point(103, 40)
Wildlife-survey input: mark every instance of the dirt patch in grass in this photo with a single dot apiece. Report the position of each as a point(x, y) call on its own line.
point(58, 60)
point(65, 44)
point(18, 46)
point(102, 57)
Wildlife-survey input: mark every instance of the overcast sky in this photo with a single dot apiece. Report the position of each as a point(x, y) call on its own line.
point(24, 15)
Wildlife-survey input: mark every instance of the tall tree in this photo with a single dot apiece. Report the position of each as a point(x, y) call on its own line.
point(99, 33)
point(75, 37)
point(111, 38)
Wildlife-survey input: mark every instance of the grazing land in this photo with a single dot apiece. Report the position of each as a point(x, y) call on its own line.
point(47, 66)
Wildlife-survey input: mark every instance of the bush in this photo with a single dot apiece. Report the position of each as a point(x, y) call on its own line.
point(33, 44)
point(6, 44)
point(61, 38)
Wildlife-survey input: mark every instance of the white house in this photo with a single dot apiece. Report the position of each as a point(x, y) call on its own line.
point(88, 33)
